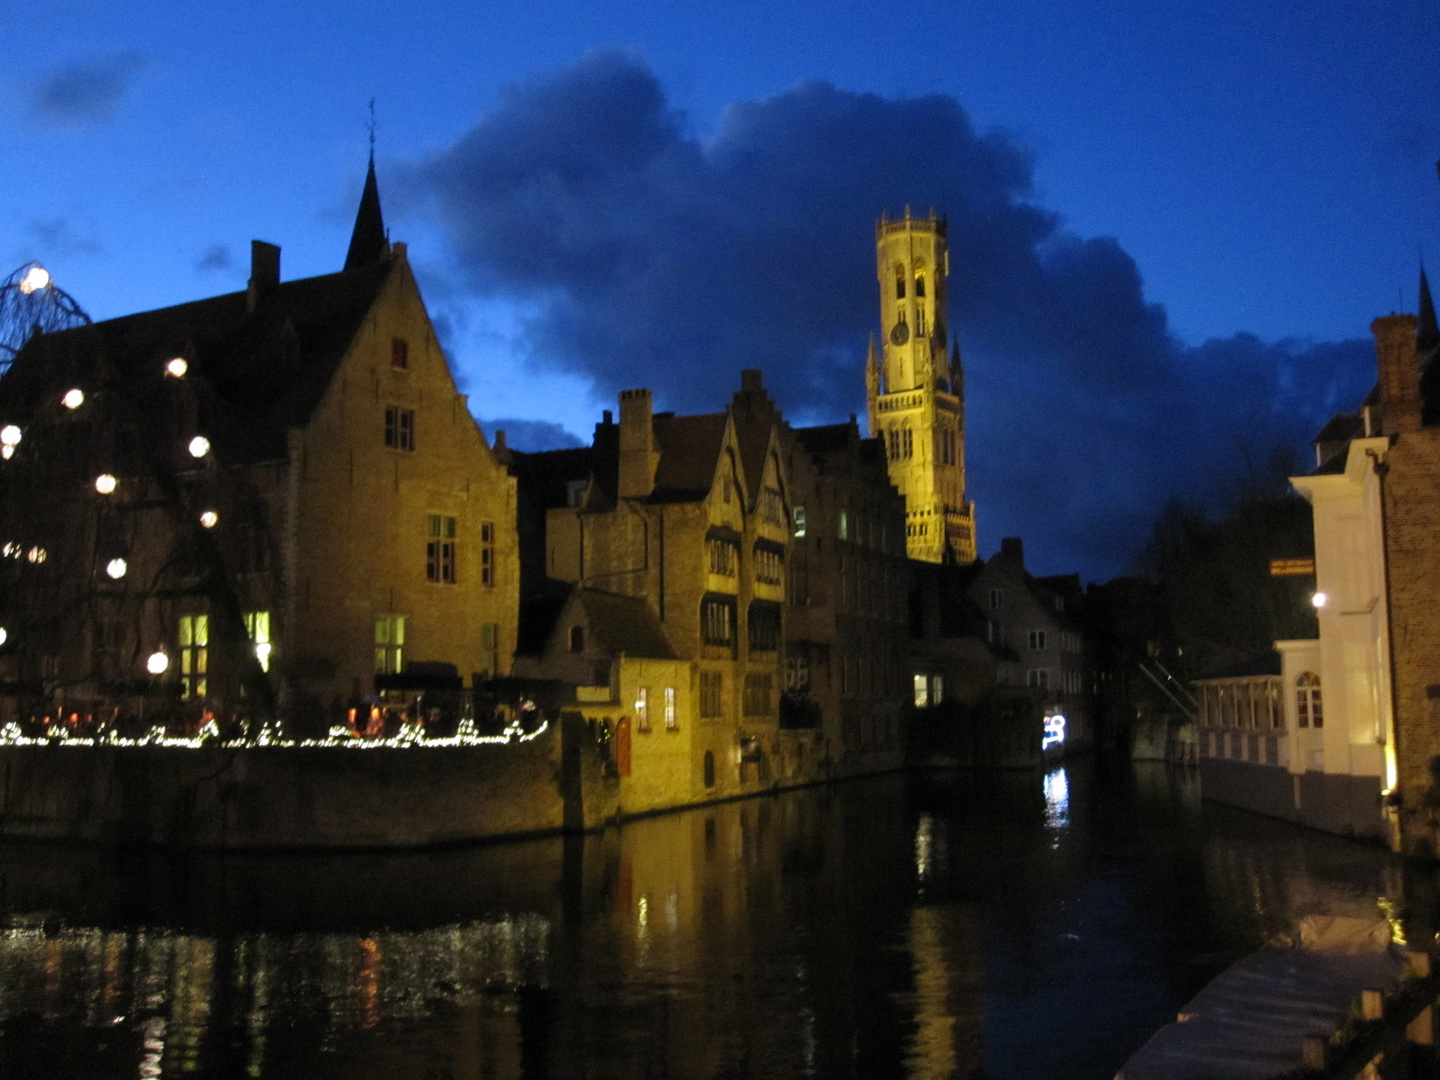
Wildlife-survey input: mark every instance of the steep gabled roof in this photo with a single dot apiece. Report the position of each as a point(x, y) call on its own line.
point(690, 448)
point(253, 374)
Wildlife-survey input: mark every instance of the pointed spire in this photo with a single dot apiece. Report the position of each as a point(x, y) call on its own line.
point(957, 371)
point(368, 242)
point(872, 370)
point(1427, 332)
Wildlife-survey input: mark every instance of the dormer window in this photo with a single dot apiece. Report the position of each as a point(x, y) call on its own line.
point(399, 353)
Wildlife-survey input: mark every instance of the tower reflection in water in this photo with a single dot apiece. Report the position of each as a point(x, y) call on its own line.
point(948, 925)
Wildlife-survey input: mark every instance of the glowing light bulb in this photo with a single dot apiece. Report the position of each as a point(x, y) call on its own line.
point(106, 484)
point(209, 519)
point(73, 398)
point(35, 279)
point(116, 568)
point(1319, 600)
point(176, 368)
point(10, 435)
point(199, 446)
point(157, 663)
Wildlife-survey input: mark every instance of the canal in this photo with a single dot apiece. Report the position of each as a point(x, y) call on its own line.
point(926, 926)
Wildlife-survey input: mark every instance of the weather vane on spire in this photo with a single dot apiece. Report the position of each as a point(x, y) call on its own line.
point(371, 126)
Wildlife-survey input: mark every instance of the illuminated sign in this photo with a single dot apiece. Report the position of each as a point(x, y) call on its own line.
point(1054, 731)
point(1292, 567)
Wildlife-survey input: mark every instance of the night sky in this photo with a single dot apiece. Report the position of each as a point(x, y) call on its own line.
point(1171, 222)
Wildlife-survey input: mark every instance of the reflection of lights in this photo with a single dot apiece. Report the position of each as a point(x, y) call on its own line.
point(37, 555)
point(1319, 600)
point(10, 435)
point(106, 484)
point(209, 519)
point(924, 844)
point(7, 452)
point(35, 279)
point(116, 568)
point(262, 653)
point(176, 368)
point(74, 398)
point(12, 550)
point(1057, 799)
point(199, 446)
point(157, 663)
point(1054, 731)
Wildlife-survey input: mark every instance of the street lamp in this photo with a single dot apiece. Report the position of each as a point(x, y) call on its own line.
point(157, 663)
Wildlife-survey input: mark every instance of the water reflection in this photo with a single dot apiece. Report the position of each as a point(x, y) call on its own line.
point(922, 928)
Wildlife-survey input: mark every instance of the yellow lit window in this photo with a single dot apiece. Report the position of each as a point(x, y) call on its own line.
point(389, 644)
point(257, 629)
point(194, 655)
point(642, 708)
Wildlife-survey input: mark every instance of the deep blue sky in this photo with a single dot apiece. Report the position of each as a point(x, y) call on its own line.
point(1171, 221)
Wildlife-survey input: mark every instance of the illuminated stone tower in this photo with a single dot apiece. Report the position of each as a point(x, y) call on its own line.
point(916, 400)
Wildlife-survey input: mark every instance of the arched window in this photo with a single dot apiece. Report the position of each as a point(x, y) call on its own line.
point(1307, 700)
point(899, 281)
point(920, 279)
point(577, 639)
point(907, 449)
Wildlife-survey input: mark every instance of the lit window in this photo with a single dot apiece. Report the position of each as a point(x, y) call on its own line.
point(711, 683)
point(672, 721)
point(399, 353)
point(798, 514)
point(844, 525)
point(922, 691)
point(399, 428)
point(257, 629)
point(194, 654)
point(1307, 700)
point(440, 550)
point(1037, 639)
point(389, 644)
point(642, 708)
point(487, 554)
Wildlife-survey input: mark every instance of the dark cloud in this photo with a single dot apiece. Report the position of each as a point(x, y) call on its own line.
point(651, 258)
point(85, 91)
point(57, 237)
point(215, 257)
point(532, 436)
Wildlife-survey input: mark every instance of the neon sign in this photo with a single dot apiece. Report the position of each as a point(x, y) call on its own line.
point(1054, 731)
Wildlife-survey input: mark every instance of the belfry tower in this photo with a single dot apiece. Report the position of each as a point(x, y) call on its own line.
point(916, 401)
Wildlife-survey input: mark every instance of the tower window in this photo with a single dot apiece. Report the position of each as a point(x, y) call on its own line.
point(920, 282)
point(907, 443)
point(899, 282)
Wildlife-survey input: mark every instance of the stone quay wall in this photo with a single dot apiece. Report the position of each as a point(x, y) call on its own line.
point(286, 797)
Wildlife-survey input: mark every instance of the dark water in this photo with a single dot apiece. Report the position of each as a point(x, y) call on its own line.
point(1003, 926)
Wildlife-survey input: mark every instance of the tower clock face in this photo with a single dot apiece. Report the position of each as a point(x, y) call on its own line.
point(900, 334)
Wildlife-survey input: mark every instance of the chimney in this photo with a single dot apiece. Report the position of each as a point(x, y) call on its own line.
point(1399, 373)
point(264, 271)
point(638, 456)
point(750, 381)
point(1012, 549)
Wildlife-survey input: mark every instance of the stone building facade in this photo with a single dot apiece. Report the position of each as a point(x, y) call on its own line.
point(915, 400)
point(259, 502)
